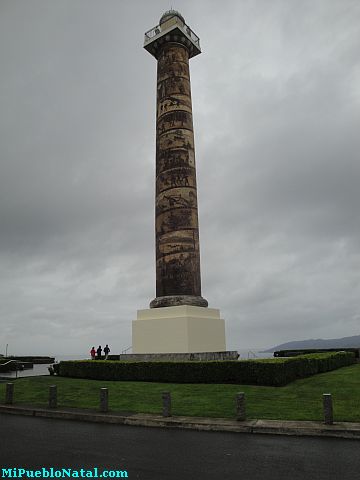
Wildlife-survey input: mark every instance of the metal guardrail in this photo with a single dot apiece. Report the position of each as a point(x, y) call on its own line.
point(11, 366)
point(150, 34)
point(251, 354)
point(14, 366)
point(126, 349)
point(5, 366)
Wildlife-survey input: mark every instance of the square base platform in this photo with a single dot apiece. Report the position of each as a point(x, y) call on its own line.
point(180, 329)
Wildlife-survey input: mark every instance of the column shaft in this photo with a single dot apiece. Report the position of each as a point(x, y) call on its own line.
point(177, 232)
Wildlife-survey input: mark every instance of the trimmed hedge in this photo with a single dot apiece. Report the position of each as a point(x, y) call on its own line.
point(305, 351)
point(271, 372)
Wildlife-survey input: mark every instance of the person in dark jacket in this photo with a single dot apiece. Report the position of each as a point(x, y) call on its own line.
point(106, 351)
point(98, 351)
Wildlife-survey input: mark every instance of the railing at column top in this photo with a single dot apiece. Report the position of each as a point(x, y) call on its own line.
point(150, 34)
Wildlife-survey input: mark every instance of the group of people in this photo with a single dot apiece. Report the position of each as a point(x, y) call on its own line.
point(97, 353)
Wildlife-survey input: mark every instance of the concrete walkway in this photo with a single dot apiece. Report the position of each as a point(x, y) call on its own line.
point(277, 427)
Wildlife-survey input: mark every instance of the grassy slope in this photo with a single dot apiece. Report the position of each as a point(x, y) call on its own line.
point(300, 400)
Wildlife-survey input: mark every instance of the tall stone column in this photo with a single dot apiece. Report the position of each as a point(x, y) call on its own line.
point(178, 320)
point(178, 279)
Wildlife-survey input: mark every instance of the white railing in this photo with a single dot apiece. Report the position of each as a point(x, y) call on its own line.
point(251, 354)
point(126, 350)
point(149, 35)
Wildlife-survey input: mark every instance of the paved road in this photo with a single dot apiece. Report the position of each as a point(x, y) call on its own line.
point(159, 454)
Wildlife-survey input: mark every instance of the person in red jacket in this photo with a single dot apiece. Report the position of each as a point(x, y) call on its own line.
point(92, 353)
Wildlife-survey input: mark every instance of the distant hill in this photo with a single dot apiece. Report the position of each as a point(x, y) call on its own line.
point(319, 343)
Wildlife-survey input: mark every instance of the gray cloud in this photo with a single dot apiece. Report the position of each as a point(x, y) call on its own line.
point(276, 111)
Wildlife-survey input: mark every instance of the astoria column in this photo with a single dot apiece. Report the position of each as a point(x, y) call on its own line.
point(178, 280)
point(178, 320)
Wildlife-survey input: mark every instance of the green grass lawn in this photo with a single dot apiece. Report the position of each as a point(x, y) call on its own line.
point(300, 400)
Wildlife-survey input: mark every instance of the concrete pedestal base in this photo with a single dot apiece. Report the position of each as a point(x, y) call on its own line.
point(180, 329)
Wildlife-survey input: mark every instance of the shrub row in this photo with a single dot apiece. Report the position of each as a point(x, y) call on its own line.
point(306, 351)
point(272, 372)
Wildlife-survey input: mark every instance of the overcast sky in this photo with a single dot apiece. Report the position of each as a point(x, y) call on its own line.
point(276, 103)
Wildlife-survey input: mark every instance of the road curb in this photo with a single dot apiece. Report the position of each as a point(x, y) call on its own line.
point(273, 427)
